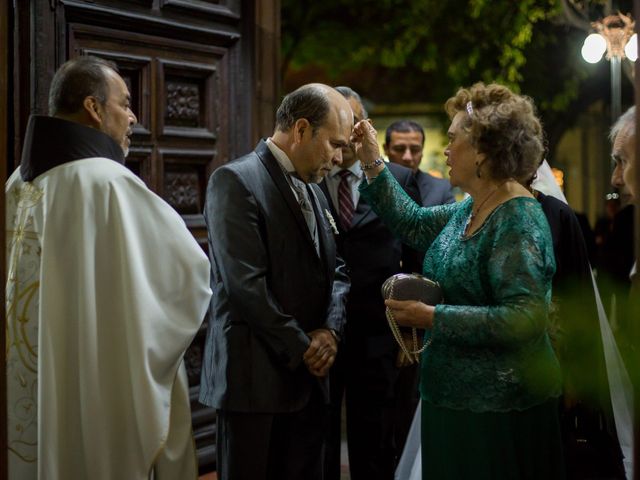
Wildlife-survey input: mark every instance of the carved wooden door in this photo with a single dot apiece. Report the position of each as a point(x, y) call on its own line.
point(197, 71)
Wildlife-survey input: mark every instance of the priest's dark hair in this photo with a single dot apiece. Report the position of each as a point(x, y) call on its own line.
point(309, 101)
point(81, 77)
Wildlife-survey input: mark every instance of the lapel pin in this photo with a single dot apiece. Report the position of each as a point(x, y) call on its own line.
point(332, 221)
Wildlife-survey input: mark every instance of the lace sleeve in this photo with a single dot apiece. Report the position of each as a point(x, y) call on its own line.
point(416, 226)
point(518, 266)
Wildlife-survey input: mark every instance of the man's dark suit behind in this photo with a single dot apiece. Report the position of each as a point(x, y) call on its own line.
point(380, 397)
point(433, 191)
point(270, 288)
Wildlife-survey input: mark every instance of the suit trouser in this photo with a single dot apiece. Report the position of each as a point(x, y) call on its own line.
point(265, 446)
point(380, 403)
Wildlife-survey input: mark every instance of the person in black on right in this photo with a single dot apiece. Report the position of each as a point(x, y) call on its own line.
point(615, 258)
point(588, 430)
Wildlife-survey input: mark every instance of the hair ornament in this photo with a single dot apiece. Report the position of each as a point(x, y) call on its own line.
point(469, 108)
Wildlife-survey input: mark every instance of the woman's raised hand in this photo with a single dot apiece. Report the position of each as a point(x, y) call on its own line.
point(364, 139)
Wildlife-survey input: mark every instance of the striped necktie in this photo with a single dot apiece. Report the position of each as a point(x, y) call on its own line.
point(345, 200)
point(304, 200)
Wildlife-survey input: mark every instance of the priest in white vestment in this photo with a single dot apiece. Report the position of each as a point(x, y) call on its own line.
point(106, 289)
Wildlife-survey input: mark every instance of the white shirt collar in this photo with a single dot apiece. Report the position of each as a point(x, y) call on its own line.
point(281, 157)
point(356, 169)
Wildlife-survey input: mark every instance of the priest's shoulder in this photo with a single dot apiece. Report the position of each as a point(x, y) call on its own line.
point(95, 170)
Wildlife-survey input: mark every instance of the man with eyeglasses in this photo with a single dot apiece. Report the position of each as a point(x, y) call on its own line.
point(403, 144)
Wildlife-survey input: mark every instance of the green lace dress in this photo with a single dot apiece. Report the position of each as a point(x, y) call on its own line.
point(489, 380)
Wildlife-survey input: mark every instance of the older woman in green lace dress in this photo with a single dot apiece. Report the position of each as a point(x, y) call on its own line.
point(489, 377)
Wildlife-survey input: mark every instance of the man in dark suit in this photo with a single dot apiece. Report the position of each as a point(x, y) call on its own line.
point(279, 293)
point(403, 144)
point(381, 395)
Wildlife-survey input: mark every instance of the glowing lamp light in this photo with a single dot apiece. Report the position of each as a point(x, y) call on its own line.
point(631, 48)
point(594, 47)
point(615, 38)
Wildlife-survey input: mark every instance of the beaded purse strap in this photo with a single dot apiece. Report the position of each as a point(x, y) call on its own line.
point(414, 354)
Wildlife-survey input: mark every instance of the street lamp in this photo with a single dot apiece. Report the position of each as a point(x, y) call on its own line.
point(614, 36)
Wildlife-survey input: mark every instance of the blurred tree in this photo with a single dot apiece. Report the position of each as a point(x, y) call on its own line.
point(404, 51)
point(452, 40)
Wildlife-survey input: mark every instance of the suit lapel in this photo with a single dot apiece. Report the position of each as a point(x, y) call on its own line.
point(363, 214)
point(327, 245)
point(325, 190)
point(278, 177)
point(332, 207)
point(424, 188)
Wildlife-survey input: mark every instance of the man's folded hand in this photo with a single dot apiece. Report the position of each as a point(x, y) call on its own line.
point(321, 353)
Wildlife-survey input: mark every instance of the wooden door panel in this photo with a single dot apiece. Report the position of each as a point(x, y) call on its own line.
point(185, 176)
point(139, 162)
point(229, 8)
point(188, 103)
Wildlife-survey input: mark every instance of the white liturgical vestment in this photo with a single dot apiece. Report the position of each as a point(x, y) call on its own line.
point(106, 289)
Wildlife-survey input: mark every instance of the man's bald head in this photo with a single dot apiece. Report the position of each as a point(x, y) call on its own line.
point(313, 125)
point(313, 102)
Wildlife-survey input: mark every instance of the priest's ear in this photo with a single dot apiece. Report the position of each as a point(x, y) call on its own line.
point(93, 109)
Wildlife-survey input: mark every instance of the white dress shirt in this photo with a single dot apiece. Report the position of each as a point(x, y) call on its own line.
point(333, 180)
point(299, 189)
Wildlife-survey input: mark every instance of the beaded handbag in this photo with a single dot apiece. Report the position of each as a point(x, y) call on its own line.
point(410, 286)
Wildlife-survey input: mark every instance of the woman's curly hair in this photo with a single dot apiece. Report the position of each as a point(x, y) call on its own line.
point(503, 126)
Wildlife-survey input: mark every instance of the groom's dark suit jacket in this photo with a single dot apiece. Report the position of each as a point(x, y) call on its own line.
point(270, 288)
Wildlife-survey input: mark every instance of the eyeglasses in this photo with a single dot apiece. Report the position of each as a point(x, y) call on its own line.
point(400, 149)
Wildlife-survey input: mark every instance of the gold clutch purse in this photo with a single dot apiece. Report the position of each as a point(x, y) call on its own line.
point(405, 286)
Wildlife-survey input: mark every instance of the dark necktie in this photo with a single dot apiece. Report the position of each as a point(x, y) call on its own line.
point(345, 200)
